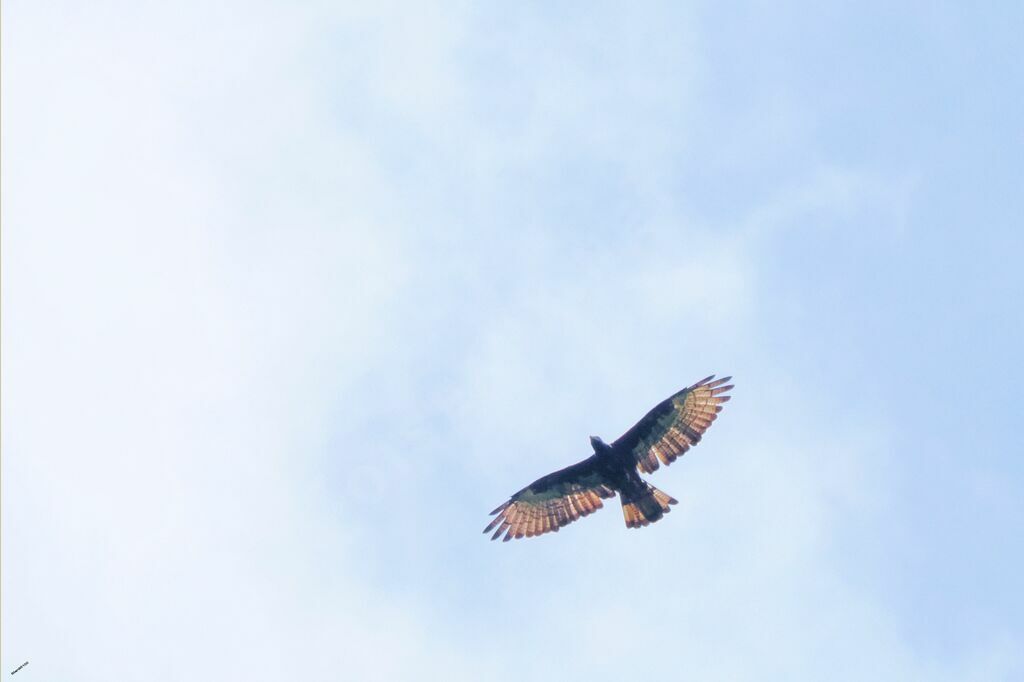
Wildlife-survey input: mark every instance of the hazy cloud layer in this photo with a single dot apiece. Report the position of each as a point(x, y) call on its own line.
point(293, 297)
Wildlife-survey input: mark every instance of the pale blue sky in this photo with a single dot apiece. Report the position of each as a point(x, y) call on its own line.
point(293, 295)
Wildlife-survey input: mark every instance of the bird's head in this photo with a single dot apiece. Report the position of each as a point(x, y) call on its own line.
point(596, 443)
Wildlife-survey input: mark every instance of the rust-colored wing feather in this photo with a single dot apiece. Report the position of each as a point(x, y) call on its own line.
point(551, 502)
point(675, 424)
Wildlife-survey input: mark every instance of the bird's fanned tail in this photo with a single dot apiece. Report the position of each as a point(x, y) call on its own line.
point(647, 507)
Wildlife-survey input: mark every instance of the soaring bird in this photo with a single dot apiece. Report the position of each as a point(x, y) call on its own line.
point(666, 432)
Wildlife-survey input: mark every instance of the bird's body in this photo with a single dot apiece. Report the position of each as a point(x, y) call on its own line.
point(621, 474)
point(665, 433)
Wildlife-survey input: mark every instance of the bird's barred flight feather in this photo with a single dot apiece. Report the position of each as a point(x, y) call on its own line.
point(551, 502)
point(675, 424)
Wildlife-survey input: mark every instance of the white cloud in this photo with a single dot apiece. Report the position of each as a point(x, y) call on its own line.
point(280, 317)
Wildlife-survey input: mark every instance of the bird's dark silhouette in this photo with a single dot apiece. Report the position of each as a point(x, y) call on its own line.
point(666, 432)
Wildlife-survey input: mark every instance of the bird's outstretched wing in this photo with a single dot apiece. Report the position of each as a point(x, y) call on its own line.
point(551, 502)
point(674, 425)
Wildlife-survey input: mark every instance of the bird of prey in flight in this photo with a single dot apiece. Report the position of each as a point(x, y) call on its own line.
point(666, 432)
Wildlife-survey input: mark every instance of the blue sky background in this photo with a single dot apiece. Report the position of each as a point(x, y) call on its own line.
point(294, 295)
